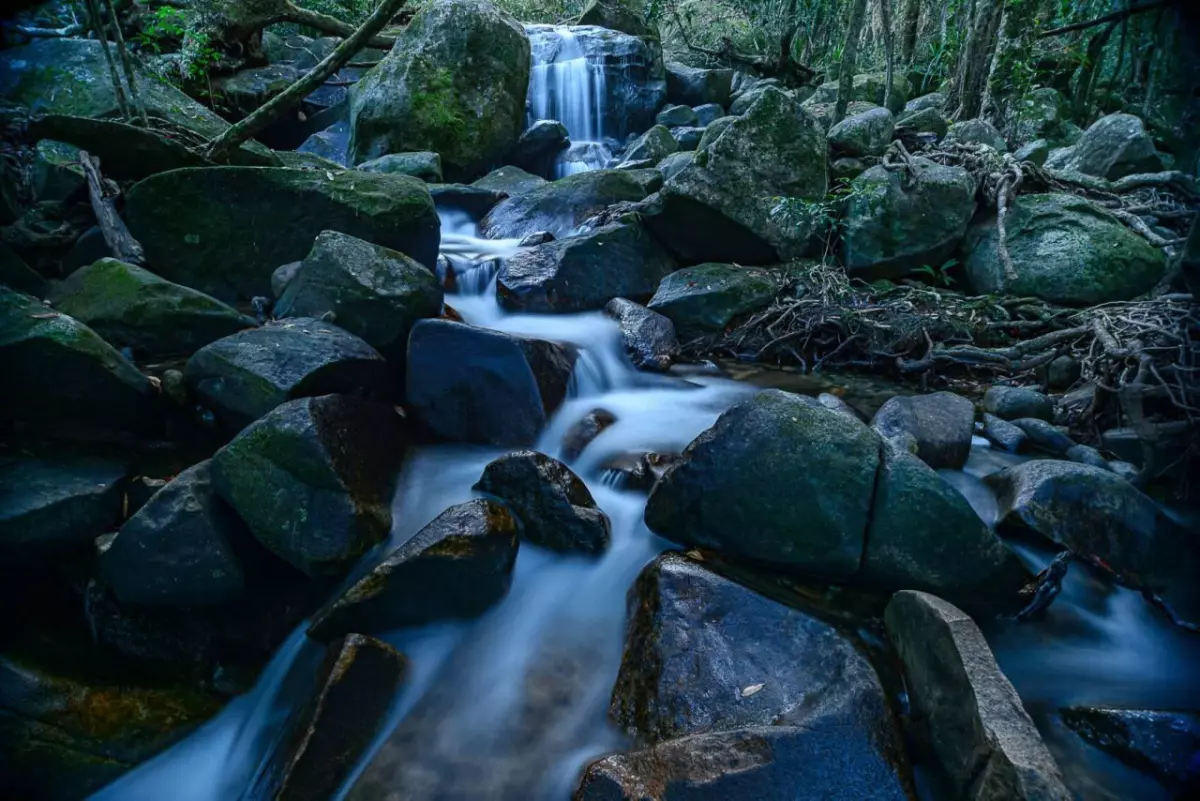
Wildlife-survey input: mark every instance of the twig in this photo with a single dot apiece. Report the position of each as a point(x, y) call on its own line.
point(1115, 16)
point(126, 64)
point(98, 26)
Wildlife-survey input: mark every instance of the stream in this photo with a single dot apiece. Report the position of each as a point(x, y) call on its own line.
point(512, 705)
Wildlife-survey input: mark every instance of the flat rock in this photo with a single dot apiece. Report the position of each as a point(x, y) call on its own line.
point(706, 298)
point(48, 506)
point(560, 207)
point(1161, 743)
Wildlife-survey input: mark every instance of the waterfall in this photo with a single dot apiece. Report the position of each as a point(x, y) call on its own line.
point(565, 85)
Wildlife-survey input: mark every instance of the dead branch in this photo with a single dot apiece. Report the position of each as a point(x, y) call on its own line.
point(1115, 16)
point(120, 242)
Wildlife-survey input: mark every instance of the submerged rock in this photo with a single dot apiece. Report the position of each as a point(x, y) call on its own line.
point(53, 506)
point(456, 567)
point(453, 59)
point(553, 505)
point(1161, 743)
point(982, 736)
point(313, 479)
point(942, 424)
point(649, 336)
point(704, 299)
point(561, 206)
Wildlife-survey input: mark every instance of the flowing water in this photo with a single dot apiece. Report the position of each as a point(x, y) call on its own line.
point(565, 85)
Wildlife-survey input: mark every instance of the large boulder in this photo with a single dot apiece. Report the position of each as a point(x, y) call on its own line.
point(868, 87)
point(704, 299)
point(371, 291)
point(313, 479)
point(696, 86)
point(553, 505)
point(423, 165)
point(653, 146)
point(941, 424)
point(242, 377)
point(1113, 147)
point(49, 507)
point(726, 205)
point(649, 336)
point(976, 132)
point(470, 384)
point(185, 547)
point(1161, 743)
point(132, 307)
point(456, 567)
point(1064, 249)
point(454, 83)
point(775, 480)
point(561, 206)
point(223, 230)
point(59, 372)
point(865, 134)
point(510, 180)
point(925, 121)
point(618, 15)
point(583, 273)
point(981, 735)
point(897, 221)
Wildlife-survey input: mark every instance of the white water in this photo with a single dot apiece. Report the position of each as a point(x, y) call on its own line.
point(570, 89)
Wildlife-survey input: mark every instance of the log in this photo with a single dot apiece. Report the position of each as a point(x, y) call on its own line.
point(120, 242)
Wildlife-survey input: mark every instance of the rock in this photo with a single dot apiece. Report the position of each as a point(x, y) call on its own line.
point(695, 86)
point(616, 15)
point(183, 548)
point(1043, 435)
point(552, 504)
point(456, 567)
point(978, 132)
point(1008, 436)
point(846, 168)
point(742, 103)
point(581, 434)
point(539, 146)
point(924, 535)
point(1113, 147)
point(424, 165)
point(866, 134)
point(1130, 472)
point(57, 173)
point(1085, 454)
point(455, 58)
point(474, 385)
point(735, 487)
point(823, 113)
point(1035, 152)
point(708, 113)
point(223, 230)
point(560, 207)
point(649, 336)
point(1161, 743)
point(895, 225)
point(650, 179)
point(714, 130)
point(688, 139)
point(349, 704)
point(59, 372)
point(333, 143)
point(510, 180)
point(673, 164)
point(836, 404)
point(373, 292)
point(1062, 372)
point(16, 274)
point(134, 308)
point(313, 479)
point(868, 87)
point(942, 424)
point(1042, 114)
point(1100, 515)
point(673, 116)
point(653, 146)
point(283, 275)
point(980, 733)
point(50, 507)
point(1009, 403)
point(766, 763)
point(240, 93)
point(1064, 249)
point(244, 376)
point(584, 272)
point(926, 120)
point(933, 100)
point(724, 206)
point(704, 299)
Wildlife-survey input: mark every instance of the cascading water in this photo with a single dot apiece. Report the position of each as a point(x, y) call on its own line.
point(565, 86)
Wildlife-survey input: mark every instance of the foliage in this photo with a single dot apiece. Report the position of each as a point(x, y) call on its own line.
point(162, 28)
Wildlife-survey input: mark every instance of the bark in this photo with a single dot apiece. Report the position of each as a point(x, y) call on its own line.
point(1087, 72)
point(1116, 16)
point(233, 136)
point(909, 18)
point(97, 23)
point(1019, 28)
point(120, 242)
point(858, 10)
point(126, 63)
point(975, 60)
point(885, 12)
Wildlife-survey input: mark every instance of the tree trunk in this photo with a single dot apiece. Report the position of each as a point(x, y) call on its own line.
point(1087, 73)
point(858, 10)
point(885, 12)
point(975, 60)
point(910, 17)
point(1010, 72)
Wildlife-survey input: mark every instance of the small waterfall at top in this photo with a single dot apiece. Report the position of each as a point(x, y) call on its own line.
point(565, 86)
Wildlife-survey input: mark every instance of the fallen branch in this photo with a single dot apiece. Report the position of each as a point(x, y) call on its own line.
point(1115, 16)
point(120, 242)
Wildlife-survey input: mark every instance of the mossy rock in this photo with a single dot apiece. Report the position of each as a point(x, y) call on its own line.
point(561, 206)
point(510, 180)
point(704, 299)
point(224, 230)
point(57, 173)
point(424, 165)
point(869, 87)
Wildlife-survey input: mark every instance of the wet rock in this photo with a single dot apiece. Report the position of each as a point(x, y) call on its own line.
point(470, 384)
point(510, 180)
point(454, 58)
point(59, 372)
point(49, 507)
point(1036, 152)
point(244, 376)
point(1044, 436)
point(866, 134)
point(475, 201)
point(1064, 249)
point(714, 130)
point(725, 205)
point(835, 404)
point(707, 113)
point(1161, 743)
point(283, 275)
point(423, 165)
point(976, 132)
point(695, 86)
point(942, 424)
point(735, 488)
point(240, 93)
point(313, 479)
point(180, 549)
point(896, 223)
point(552, 504)
point(1009, 403)
point(673, 116)
point(56, 171)
point(581, 434)
point(456, 567)
point(674, 163)
point(373, 292)
point(980, 733)
point(869, 87)
point(1085, 454)
point(925, 121)
point(1113, 147)
point(1008, 436)
point(350, 702)
point(688, 139)
point(584, 272)
point(617, 15)
point(539, 146)
point(560, 207)
point(331, 144)
point(132, 307)
point(649, 177)
point(649, 336)
point(223, 230)
point(704, 299)
point(1130, 472)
